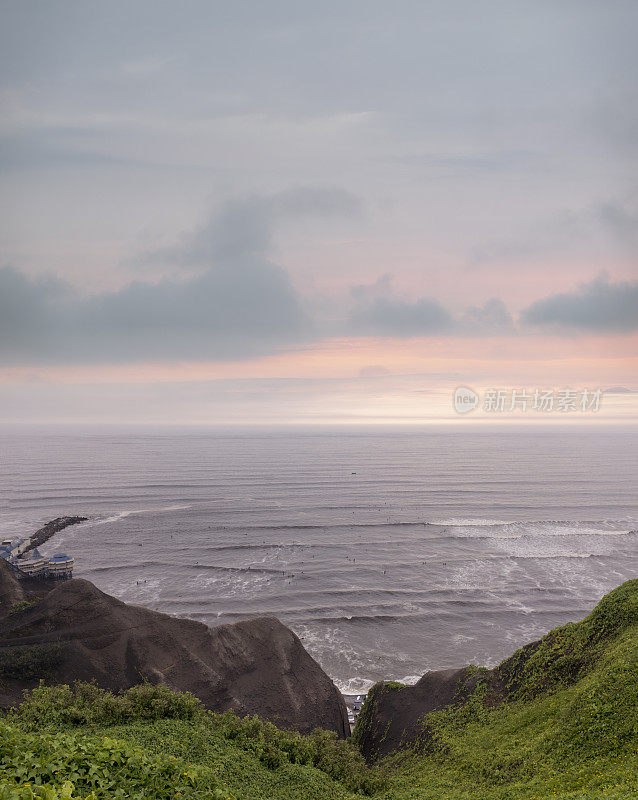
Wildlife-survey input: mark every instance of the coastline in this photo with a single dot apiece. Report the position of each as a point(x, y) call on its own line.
point(353, 700)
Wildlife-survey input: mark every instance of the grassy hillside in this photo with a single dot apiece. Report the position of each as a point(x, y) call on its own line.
point(151, 742)
point(569, 728)
point(566, 726)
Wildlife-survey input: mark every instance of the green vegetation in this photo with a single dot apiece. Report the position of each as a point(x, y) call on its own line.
point(33, 661)
point(364, 720)
point(100, 765)
point(247, 758)
point(565, 726)
point(568, 653)
point(40, 792)
point(22, 605)
point(577, 742)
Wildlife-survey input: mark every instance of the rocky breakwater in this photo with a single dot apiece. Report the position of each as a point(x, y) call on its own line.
point(47, 531)
point(76, 632)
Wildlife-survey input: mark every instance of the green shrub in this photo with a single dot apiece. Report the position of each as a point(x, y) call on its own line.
point(22, 605)
point(335, 757)
point(42, 792)
point(29, 662)
point(87, 704)
point(106, 767)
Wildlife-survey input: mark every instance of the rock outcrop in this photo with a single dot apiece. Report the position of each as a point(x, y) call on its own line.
point(391, 714)
point(77, 632)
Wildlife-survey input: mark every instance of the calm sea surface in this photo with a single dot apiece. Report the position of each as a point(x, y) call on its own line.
point(388, 552)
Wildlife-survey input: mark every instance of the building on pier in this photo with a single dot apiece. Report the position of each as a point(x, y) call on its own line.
point(60, 566)
point(34, 565)
point(13, 547)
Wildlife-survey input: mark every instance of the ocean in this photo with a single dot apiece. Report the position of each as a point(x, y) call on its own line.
point(389, 551)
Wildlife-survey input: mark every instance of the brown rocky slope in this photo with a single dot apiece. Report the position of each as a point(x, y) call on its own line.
point(73, 631)
point(392, 714)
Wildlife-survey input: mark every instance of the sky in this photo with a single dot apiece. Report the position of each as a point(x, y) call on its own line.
point(302, 213)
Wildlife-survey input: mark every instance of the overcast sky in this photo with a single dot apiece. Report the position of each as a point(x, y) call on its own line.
point(306, 212)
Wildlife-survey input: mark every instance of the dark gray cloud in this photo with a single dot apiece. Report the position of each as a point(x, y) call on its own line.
point(31, 313)
point(389, 316)
point(245, 309)
point(245, 227)
point(377, 311)
point(596, 306)
point(239, 303)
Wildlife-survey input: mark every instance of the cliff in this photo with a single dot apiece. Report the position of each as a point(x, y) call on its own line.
point(74, 631)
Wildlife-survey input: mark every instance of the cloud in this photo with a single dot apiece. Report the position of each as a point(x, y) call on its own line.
point(388, 316)
point(490, 162)
point(596, 306)
point(621, 222)
point(612, 221)
point(30, 313)
point(237, 303)
point(249, 309)
point(245, 227)
point(490, 318)
point(378, 311)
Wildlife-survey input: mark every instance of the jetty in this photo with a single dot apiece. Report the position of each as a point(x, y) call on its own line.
point(47, 531)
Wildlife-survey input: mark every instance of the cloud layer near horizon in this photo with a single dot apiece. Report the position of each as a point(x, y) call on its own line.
point(234, 302)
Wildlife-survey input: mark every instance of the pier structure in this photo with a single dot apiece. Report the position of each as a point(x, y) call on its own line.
point(27, 561)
